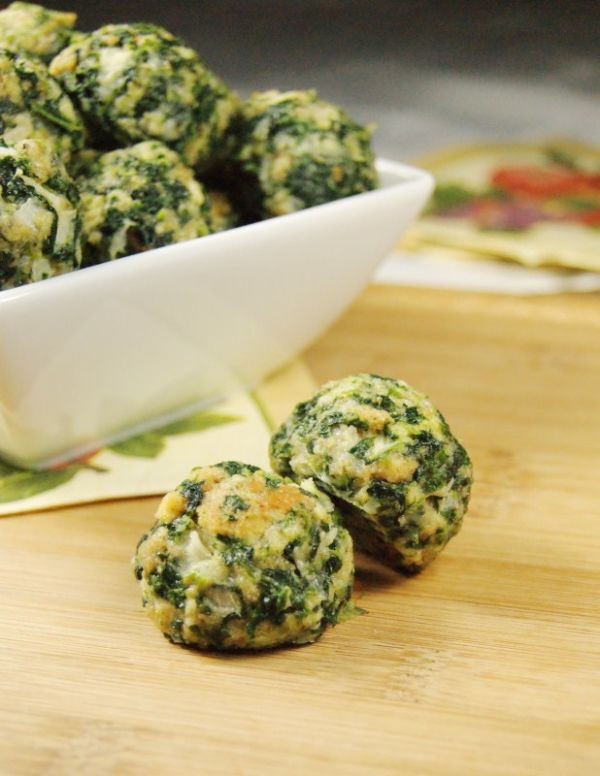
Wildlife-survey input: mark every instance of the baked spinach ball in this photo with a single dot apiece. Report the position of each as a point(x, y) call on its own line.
point(39, 217)
point(34, 30)
point(389, 459)
point(138, 198)
point(242, 559)
point(293, 151)
point(33, 105)
point(138, 82)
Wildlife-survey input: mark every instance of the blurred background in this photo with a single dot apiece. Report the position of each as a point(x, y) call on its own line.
point(429, 73)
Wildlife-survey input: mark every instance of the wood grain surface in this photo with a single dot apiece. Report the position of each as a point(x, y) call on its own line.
point(487, 663)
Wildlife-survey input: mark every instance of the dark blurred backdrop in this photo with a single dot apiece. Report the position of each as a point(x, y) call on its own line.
point(428, 72)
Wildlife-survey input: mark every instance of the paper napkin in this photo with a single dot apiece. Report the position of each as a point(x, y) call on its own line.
point(516, 218)
point(236, 429)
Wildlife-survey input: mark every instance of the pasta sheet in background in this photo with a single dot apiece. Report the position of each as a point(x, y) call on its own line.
point(498, 209)
point(150, 464)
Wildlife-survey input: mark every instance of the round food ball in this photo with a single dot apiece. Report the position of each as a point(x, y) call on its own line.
point(35, 31)
point(136, 82)
point(389, 459)
point(138, 198)
point(242, 559)
point(39, 216)
point(294, 151)
point(33, 105)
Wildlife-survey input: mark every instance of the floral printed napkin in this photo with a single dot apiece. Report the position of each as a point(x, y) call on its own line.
point(238, 428)
point(537, 204)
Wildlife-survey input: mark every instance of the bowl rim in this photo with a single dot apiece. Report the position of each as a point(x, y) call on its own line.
point(406, 174)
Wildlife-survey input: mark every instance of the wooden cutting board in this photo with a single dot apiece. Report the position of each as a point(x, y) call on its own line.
point(487, 663)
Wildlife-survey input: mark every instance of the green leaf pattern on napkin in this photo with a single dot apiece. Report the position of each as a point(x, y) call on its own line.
point(152, 444)
point(148, 445)
point(17, 484)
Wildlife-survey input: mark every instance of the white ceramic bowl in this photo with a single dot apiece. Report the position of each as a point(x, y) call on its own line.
point(90, 357)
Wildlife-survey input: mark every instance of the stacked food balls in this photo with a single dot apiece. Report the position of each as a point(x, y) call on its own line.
point(161, 150)
point(239, 558)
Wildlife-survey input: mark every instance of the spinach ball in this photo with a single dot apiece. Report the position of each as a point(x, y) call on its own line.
point(389, 460)
point(138, 198)
point(242, 559)
point(137, 82)
point(39, 215)
point(34, 106)
point(292, 151)
point(35, 31)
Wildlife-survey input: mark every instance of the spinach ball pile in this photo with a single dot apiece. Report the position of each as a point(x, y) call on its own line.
point(160, 148)
point(240, 558)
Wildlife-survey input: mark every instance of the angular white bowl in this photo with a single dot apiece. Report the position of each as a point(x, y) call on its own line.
point(89, 357)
